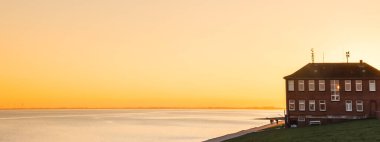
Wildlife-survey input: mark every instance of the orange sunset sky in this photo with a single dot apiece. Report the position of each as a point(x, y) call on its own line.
point(172, 53)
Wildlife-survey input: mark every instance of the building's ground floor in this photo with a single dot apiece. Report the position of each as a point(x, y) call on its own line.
point(303, 111)
point(305, 120)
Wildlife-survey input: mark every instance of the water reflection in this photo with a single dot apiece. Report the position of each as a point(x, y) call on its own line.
point(125, 125)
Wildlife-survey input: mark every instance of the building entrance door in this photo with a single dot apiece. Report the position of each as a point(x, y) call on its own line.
point(373, 108)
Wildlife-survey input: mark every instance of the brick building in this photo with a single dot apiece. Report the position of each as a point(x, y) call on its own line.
point(322, 93)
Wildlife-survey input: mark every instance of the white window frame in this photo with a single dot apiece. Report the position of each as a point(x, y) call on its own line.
point(358, 85)
point(322, 102)
point(290, 85)
point(301, 105)
point(372, 85)
point(292, 103)
point(311, 103)
point(311, 85)
point(334, 87)
point(348, 105)
point(301, 85)
point(347, 85)
point(301, 118)
point(359, 103)
point(321, 85)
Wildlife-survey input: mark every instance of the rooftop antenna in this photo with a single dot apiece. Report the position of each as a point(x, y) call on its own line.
point(347, 55)
point(312, 55)
point(323, 57)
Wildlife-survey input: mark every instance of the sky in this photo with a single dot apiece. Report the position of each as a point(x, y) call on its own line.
point(173, 53)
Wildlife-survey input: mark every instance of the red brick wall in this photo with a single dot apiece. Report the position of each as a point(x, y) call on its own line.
point(333, 108)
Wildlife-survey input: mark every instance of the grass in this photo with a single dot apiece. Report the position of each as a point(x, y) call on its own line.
point(353, 131)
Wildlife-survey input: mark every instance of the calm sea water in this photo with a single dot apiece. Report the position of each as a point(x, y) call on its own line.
point(125, 125)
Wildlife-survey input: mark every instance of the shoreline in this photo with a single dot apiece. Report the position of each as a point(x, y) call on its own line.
point(243, 132)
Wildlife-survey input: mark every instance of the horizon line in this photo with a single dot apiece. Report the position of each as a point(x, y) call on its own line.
point(263, 108)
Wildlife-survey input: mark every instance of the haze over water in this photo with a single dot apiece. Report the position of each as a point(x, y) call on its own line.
point(111, 125)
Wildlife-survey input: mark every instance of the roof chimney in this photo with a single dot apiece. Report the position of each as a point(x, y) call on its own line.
point(361, 61)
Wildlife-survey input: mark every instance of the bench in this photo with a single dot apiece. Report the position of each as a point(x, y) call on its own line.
point(315, 122)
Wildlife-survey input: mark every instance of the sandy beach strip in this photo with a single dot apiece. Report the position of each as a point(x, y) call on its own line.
point(243, 132)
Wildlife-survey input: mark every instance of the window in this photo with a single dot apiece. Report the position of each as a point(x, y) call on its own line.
point(321, 85)
point(322, 105)
point(311, 85)
point(292, 105)
point(372, 85)
point(301, 118)
point(301, 105)
point(291, 85)
point(311, 105)
point(358, 85)
point(335, 90)
point(347, 85)
point(334, 85)
point(359, 105)
point(348, 105)
point(301, 85)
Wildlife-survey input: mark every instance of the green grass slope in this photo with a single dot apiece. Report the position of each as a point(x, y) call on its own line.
point(353, 131)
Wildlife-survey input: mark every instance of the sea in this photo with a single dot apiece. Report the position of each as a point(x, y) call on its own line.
point(126, 125)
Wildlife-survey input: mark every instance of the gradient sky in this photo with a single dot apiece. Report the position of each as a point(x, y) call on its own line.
point(172, 53)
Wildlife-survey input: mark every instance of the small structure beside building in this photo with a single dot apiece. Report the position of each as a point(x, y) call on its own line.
point(322, 93)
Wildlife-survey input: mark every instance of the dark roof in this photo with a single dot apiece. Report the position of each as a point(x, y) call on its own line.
point(335, 71)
